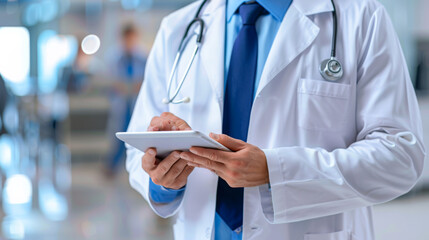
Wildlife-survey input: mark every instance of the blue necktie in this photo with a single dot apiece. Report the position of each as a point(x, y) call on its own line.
point(238, 104)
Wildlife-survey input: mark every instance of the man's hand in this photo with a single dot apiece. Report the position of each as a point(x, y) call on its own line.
point(172, 172)
point(168, 122)
point(246, 166)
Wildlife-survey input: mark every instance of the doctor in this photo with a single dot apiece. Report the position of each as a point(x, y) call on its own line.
point(312, 152)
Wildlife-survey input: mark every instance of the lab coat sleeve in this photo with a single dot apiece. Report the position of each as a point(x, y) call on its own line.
point(149, 104)
point(385, 161)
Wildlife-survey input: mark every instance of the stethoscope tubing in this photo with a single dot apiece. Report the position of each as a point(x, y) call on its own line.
point(176, 61)
point(180, 50)
point(325, 69)
point(334, 31)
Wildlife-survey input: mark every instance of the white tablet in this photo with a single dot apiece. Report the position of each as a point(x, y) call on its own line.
point(167, 141)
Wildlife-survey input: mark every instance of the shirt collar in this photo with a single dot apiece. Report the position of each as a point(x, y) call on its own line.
point(277, 8)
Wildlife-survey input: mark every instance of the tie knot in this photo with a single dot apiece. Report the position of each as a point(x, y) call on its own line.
point(251, 12)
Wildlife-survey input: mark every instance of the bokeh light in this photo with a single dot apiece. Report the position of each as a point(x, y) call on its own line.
point(15, 57)
point(7, 148)
point(18, 189)
point(13, 228)
point(130, 4)
point(90, 44)
point(11, 118)
point(55, 51)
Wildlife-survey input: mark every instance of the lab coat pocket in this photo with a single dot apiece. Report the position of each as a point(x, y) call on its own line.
point(342, 235)
point(322, 105)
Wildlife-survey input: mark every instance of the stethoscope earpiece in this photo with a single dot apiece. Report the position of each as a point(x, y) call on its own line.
point(186, 100)
point(331, 69)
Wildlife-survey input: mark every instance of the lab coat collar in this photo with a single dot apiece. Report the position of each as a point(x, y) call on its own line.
point(296, 29)
point(277, 8)
point(310, 7)
point(212, 6)
point(307, 7)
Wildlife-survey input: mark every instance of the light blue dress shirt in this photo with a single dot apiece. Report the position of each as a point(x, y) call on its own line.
point(266, 27)
point(160, 194)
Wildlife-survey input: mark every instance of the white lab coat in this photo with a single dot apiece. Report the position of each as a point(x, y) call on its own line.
point(333, 148)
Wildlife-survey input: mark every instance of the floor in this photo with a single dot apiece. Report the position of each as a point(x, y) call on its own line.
point(99, 208)
point(103, 209)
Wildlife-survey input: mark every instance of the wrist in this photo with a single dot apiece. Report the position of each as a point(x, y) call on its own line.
point(266, 172)
point(174, 188)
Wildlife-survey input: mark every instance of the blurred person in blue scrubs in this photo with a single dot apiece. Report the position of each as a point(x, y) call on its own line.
point(75, 77)
point(127, 68)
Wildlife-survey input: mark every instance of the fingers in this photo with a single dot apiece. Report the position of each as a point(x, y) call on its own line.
point(178, 174)
point(160, 124)
point(166, 164)
point(212, 154)
point(177, 168)
point(171, 172)
point(168, 171)
point(198, 161)
point(179, 124)
point(168, 122)
point(183, 177)
point(229, 142)
point(149, 160)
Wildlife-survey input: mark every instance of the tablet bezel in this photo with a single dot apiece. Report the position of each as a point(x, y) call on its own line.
point(206, 141)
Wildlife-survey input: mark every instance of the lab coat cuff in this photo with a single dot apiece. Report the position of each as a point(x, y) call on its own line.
point(169, 209)
point(164, 210)
point(274, 167)
point(267, 202)
point(275, 177)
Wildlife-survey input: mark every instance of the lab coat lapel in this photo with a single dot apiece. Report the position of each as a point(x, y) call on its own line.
point(213, 45)
point(296, 33)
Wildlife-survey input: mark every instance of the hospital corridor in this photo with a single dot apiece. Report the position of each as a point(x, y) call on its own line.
point(111, 114)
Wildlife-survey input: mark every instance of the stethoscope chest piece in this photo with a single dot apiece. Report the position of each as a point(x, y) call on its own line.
point(331, 69)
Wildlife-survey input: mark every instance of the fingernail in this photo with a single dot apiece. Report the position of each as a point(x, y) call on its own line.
point(174, 128)
point(184, 156)
point(192, 150)
point(176, 155)
point(214, 136)
point(151, 152)
point(155, 129)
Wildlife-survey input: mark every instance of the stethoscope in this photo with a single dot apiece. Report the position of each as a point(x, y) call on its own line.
point(182, 45)
point(330, 69)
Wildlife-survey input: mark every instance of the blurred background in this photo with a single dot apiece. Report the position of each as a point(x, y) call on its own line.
point(65, 65)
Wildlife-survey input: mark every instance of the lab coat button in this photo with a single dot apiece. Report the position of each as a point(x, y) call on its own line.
point(238, 230)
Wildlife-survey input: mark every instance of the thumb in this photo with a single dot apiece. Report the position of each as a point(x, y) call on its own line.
point(229, 142)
